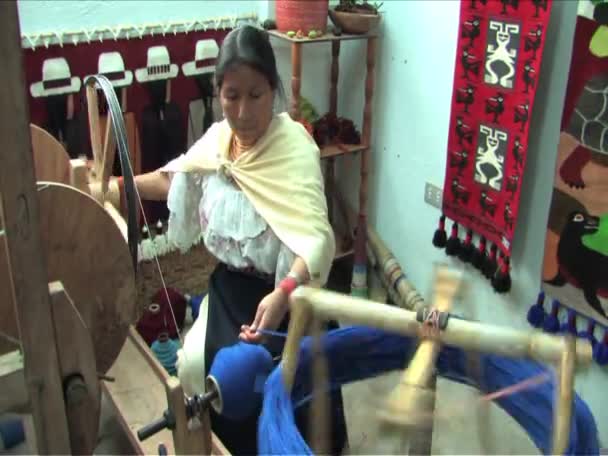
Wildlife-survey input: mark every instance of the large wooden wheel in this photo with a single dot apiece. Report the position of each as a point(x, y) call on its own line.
point(85, 250)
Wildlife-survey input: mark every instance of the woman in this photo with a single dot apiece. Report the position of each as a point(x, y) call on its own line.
point(252, 186)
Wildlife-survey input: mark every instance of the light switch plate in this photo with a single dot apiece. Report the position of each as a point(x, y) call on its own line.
point(433, 195)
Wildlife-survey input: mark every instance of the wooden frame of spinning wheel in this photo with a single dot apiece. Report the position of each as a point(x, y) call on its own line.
point(54, 377)
point(311, 306)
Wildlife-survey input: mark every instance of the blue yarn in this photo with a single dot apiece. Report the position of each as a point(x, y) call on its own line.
point(551, 323)
point(12, 433)
point(166, 353)
point(240, 372)
point(195, 305)
point(537, 314)
point(600, 351)
point(570, 324)
point(356, 353)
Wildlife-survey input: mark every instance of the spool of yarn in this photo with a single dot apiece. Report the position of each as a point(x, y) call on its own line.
point(238, 374)
point(158, 317)
point(146, 244)
point(165, 350)
point(160, 239)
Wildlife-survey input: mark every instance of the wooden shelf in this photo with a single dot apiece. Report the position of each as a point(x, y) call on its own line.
point(335, 150)
point(328, 37)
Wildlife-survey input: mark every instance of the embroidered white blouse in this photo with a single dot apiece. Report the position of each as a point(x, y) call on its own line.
point(213, 207)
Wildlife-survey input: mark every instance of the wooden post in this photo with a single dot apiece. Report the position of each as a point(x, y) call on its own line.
point(333, 78)
point(562, 412)
point(26, 256)
point(367, 123)
point(296, 78)
point(184, 440)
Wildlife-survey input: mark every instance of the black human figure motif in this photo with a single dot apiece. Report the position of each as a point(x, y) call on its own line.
point(512, 3)
point(521, 115)
point(495, 105)
point(469, 63)
point(466, 96)
point(463, 131)
point(474, 3)
point(533, 41)
point(528, 75)
point(459, 159)
point(538, 4)
point(508, 216)
point(487, 204)
point(471, 29)
point(512, 183)
point(517, 151)
point(459, 192)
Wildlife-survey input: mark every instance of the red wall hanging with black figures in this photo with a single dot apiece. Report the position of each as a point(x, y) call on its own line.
point(499, 54)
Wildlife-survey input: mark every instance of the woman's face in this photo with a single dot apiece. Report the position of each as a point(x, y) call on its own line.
point(246, 98)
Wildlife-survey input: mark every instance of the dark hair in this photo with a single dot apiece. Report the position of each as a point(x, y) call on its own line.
point(248, 45)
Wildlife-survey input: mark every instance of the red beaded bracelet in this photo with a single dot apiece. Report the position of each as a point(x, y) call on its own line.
point(288, 284)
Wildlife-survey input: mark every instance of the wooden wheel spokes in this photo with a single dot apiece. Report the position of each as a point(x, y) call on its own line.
point(103, 152)
point(414, 393)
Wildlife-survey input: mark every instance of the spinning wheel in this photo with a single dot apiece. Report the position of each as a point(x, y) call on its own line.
point(365, 352)
point(85, 251)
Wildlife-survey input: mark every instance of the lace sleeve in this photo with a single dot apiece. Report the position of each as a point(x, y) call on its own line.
point(183, 200)
point(284, 263)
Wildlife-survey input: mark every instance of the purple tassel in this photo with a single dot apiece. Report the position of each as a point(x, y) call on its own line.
point(551, 323)
point(600, 351)
point(589, 333)
point(536, 313)
point(570, 324)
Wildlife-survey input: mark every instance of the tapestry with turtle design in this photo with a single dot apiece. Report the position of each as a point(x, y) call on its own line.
point(575, 266)
point(498, 61)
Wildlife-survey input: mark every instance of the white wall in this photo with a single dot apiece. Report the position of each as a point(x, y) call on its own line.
point(59, 15)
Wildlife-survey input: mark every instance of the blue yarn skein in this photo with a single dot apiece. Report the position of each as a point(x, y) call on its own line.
point(354, 353)
point(165, 350)
point(239, 373)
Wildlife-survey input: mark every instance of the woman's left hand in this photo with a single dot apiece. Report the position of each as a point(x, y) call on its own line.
point(271, 312)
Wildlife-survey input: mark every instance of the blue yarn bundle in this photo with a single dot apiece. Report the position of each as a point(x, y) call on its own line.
point(240, 372)
point(195, 305)
point(356, 353)
point(12, 433)
point(165, 350)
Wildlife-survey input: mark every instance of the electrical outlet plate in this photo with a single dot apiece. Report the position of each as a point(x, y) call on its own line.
point(433, 195)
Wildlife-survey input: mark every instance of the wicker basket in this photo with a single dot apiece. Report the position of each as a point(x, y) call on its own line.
point(304, 15)
point(187, 273)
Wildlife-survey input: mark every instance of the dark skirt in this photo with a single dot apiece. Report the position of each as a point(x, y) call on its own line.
point(233, 301)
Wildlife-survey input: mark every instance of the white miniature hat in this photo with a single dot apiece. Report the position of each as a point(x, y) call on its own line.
point(56, 79)
point(158, 66)
point(112, 66)
point(205, 56)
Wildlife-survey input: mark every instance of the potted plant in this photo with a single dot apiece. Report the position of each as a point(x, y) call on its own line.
point(355, 16)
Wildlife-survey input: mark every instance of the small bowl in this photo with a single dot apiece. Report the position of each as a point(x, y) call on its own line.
point(354, 23)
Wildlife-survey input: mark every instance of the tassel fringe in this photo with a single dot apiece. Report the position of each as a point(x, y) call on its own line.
point(497, 271)
point(538, 318)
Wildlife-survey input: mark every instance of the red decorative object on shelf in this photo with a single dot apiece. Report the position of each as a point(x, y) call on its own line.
point(301, 15)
